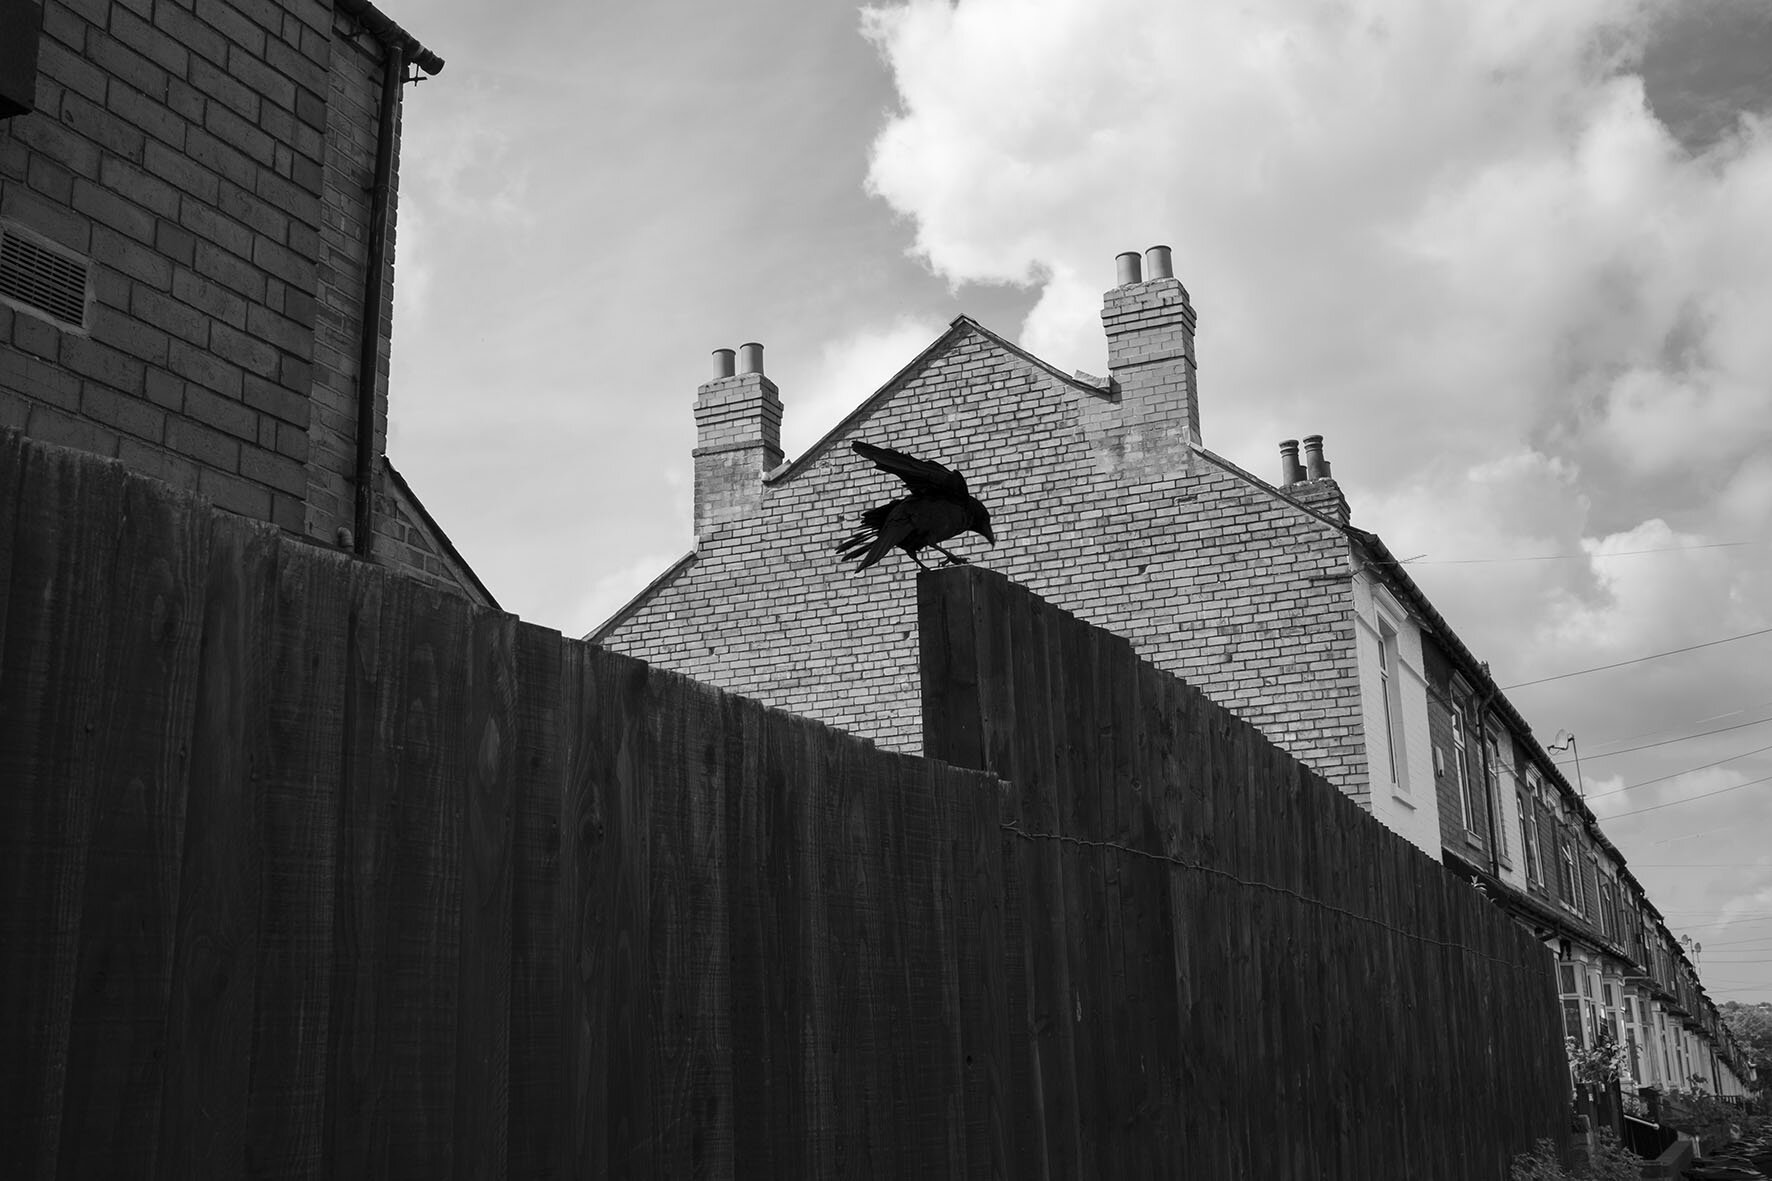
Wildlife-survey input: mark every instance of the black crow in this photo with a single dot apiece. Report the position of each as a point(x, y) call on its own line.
point(939, 507)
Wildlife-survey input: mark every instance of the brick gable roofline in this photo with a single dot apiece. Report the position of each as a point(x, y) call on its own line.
point(437, 530)
point(957, 328)
point(783, 473)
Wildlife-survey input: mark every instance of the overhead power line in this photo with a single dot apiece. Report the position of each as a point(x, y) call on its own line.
point(1582, 672)
point(1688, 800)
point(1623, 553)
point(1669, 741)
point(1676, 774)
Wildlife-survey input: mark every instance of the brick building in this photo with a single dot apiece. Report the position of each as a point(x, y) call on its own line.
point(1105, 502)
point(196, 255)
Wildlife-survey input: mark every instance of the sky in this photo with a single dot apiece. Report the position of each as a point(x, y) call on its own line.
point(1513, 260)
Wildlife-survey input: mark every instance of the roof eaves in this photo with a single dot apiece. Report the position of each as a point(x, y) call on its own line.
point(626, 611)
point(437, 532)
point(385, 30)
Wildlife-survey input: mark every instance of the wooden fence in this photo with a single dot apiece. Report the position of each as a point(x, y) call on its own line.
point(311, 871)
point(1226, 967)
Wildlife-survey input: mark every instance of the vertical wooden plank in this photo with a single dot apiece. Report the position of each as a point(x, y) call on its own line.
point(628, 761)
point(424, 903)
point(123, 980)
point(584, 918)
point(215, 962)
point(12, 494)
point(63, 556)
point(689, 949)
point(488, 785)
point(1029, 656)
point(297, 756)
point(538, 1061)
point(358, 1070)
point(981, 965)
point(931, 1077)
point(849, 797)
point(810, 1004)
point(756, 1091)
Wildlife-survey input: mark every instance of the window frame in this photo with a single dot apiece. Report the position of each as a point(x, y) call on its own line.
point(1461, 762)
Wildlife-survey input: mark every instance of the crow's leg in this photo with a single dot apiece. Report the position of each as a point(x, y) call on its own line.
point(919, 561)
point(952, 559)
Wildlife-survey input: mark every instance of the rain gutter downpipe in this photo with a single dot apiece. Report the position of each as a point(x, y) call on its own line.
point(399, 48)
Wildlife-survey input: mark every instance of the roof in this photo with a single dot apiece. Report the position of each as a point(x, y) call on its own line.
point(436, 531)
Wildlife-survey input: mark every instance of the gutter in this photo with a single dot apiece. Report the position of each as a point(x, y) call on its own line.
point(398, 48)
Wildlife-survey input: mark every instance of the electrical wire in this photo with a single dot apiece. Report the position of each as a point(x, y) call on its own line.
point(1582, 672)
point(1676, 774)
point(1689, 799)
point(1668, 741)
point(1623, 553)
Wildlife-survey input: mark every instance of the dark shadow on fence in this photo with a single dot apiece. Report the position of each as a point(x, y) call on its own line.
point(311, 871)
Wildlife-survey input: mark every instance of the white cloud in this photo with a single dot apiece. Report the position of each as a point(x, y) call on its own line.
point(1455, 240)
point(609, 591)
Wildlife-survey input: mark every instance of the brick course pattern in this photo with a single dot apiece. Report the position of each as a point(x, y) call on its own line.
point(1101, 505)
point(213, 165)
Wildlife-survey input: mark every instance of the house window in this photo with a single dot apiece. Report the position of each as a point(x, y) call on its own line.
point(1529, 838)
point(1573, 1026)
point(1460, 769)
point(1608, 925)
point(1493, 782)
point(1393, 706)
point(1566, 869)
point(1630, 1038)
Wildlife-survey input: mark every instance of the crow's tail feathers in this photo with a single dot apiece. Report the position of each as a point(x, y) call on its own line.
point(873, 540)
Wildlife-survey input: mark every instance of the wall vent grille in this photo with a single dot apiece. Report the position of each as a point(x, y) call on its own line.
point(42, 278)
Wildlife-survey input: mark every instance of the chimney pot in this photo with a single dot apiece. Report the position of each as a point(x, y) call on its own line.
point(1291, 471)
point(1158, 263)
point(723, 363)
point(1126, 268)
point(750, 358)
point(1315, 466)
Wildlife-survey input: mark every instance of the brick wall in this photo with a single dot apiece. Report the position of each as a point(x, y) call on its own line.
point(178, 148)
point(212, 161)
point(1206, 571)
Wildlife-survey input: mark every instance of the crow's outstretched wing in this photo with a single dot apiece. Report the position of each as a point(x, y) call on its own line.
point(923, 477)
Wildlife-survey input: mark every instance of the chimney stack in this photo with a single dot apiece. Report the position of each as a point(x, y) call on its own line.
point(1315, 466)
point(737, 439)
point(1313, 486)
point(1126, 268)
point(1146, 430)
point(1291, 471)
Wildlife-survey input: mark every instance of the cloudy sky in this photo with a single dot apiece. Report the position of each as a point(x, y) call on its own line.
point(1513, 260)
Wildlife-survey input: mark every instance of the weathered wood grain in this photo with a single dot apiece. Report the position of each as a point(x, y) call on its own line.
point(63, 557)
point(203, 1123)
point(147, 698)
point(358, 1067)
point(425, 795)
point(537, 1050)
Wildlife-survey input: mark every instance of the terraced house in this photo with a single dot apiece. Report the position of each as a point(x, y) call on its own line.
point(196, 255)
point(1106, 503)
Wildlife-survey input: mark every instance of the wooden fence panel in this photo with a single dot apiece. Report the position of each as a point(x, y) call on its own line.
point(314, 871)
point(1317, 973)
point(64, 552)
point(147, 701)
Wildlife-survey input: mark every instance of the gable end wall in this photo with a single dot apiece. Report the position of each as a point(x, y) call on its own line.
point(1210, 577)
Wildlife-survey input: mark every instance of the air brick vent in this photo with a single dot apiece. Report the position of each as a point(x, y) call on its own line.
point(42, 278)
